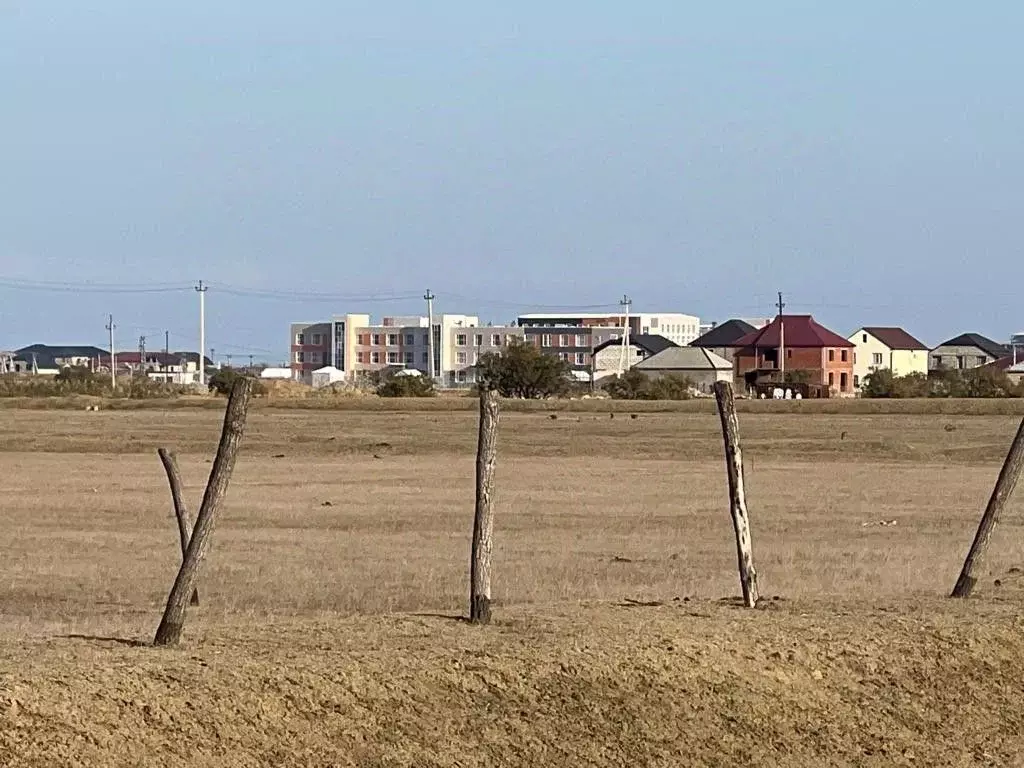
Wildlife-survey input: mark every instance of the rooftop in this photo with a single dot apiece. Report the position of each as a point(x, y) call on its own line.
point(685, 359)
point(725, 334)
point(801, 331)
point(893, 337)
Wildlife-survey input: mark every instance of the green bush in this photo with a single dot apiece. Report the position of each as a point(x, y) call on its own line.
point(223, 380)
point(634, 385)
point(982, 382)
point(407, 386)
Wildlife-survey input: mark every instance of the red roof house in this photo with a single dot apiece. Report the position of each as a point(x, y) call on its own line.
point(792, 343)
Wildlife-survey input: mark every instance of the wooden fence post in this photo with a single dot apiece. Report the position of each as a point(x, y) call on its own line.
point(170, 462)
point(737, 490)
point(1005, 484)
point(483, 519)
point(169, 631)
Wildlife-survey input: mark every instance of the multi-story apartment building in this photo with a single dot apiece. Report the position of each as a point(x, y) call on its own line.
point(573, 337)
point(357, 347)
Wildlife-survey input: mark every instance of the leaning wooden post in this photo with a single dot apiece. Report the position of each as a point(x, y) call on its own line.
point(483, 519)
point(737, 491)
point(169, 631)
point(1005, 483)
point(170, 462)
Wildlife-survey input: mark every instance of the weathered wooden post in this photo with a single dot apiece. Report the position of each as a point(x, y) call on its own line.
point(169, 631)
point(170, 462)
point(737, 490)
point(483, 519)
point(1005, 483)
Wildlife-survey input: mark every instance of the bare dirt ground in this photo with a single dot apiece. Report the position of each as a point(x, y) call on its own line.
point(329, 631)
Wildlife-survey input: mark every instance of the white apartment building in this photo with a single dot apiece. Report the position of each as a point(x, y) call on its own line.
point(356, 346)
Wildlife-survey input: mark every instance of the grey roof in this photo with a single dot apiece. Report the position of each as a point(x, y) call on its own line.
point(983, 343)
point(725, 334)
point(685, 359)
point(62, 351)
point(651, 343)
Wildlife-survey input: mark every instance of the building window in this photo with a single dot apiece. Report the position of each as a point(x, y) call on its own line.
point(831, 355)
point(564, 356)
point(300, 339)
point(359, 357)
point(393, 339)
point(410, 358)
point(392, 358)
point(545, 340)
point(410, 339)
point(843, 382)
point(789, 353)
point(876, 358)
point(581, 358)
point(316, 339)
point(425, 358)
point(375, 339)
point(843, 356)
point(856, 382)
point(960, 362)
point(831, 378)
point(563, 340)
point(937, 361)
point(478, 340)
point(375, 357)
point(982, 360)
point(496, 340)
point(460, 358)
point(581, 340)
point(299, 357)
point(314, 357)
point(460, 339)
point(864, 338)
point(460, 376)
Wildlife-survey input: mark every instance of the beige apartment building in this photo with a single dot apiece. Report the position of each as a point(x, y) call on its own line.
point(356, 347)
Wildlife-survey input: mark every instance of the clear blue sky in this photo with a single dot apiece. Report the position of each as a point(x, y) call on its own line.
point(865, 158)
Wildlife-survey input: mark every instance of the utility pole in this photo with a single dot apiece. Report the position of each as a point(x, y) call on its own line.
point(782, 338)
point(113, 360)
point(142, 353)
point(623, 361)
point(167, 342)
point(201, 290)
point(250, 363)
point(429, 298)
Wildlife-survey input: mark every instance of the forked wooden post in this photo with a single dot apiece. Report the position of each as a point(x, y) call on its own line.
point(1005, 483)
point(170, 462)
point(483, 519)
point(169, 631)
point(737, 491)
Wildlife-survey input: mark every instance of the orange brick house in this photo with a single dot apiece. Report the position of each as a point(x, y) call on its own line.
point(823, 356)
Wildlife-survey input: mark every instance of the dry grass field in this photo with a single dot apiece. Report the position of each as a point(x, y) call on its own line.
point(329, 631)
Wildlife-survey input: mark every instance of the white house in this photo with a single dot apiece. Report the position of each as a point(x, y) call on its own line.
point(878, 347)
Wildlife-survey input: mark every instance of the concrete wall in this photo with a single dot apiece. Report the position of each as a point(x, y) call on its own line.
point(957, 357)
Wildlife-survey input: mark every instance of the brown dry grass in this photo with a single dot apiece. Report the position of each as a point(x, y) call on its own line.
point(345, 541)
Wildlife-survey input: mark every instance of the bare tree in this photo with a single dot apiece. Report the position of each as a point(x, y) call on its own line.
point(170, 462)
point(737, 490)
point(169, 631)
point(1005, 483)
point(483, 519)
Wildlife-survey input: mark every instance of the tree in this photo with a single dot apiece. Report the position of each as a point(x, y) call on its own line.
point(521, 370)
point(406, 386)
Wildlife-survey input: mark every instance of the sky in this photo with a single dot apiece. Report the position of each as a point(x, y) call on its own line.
point(313, 158)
